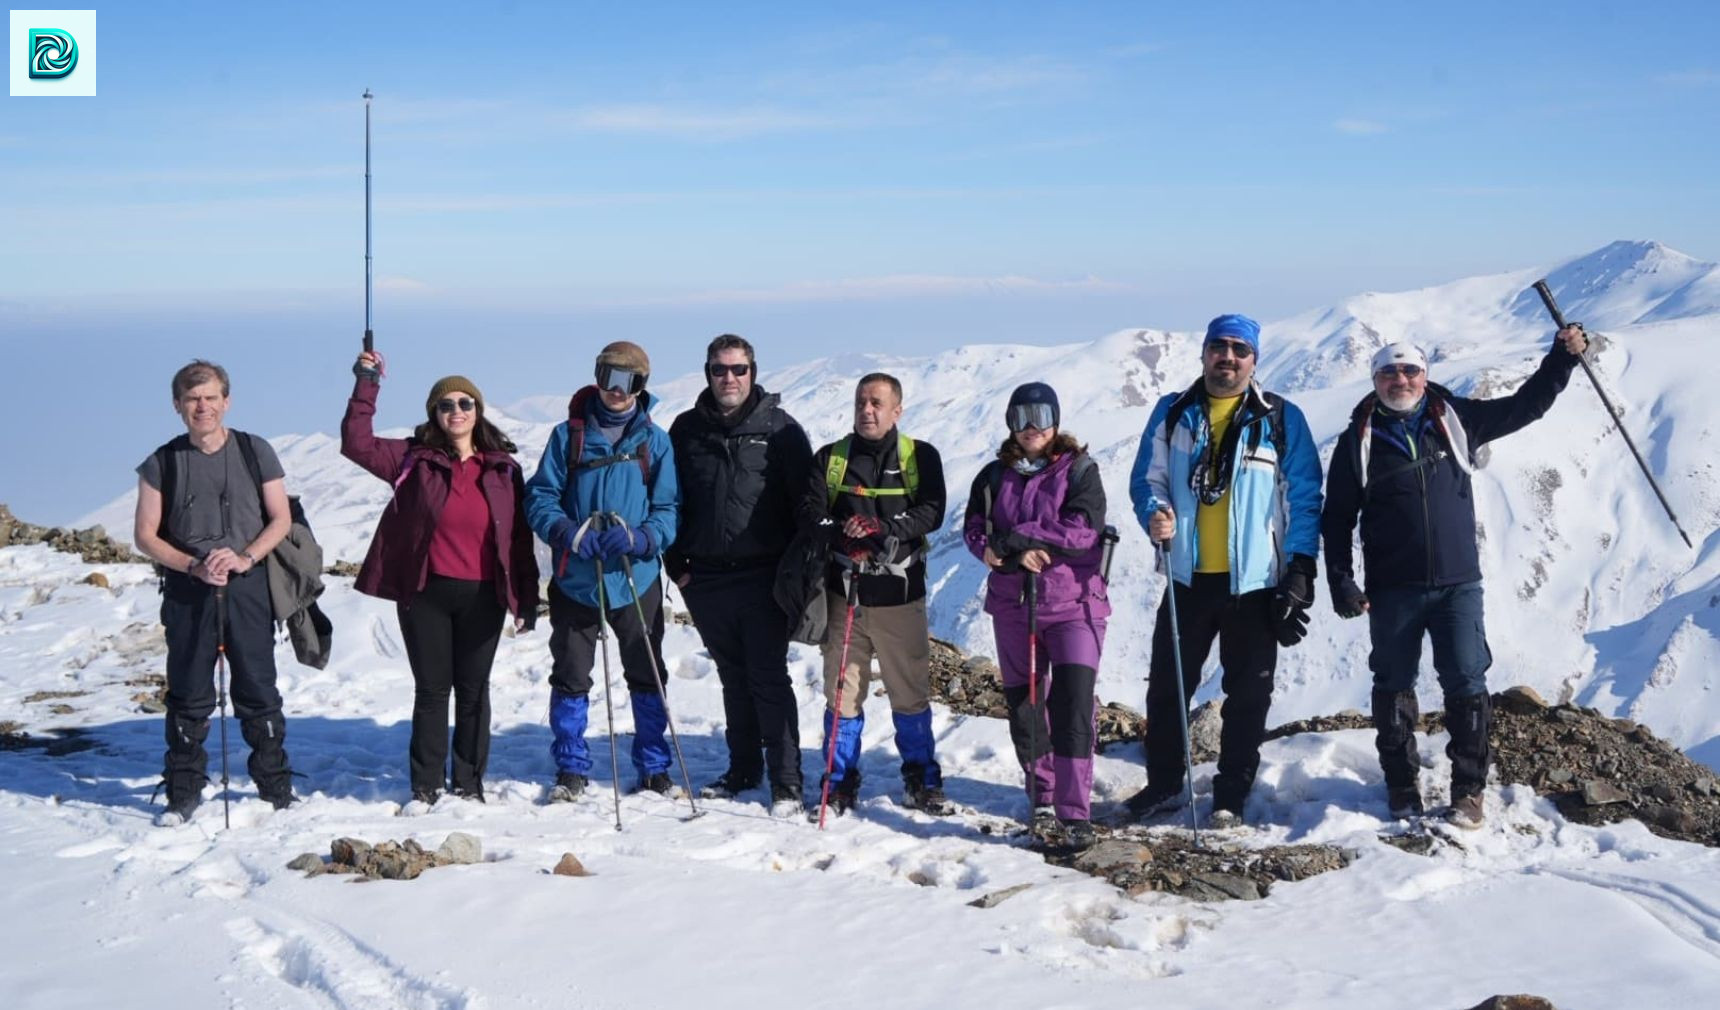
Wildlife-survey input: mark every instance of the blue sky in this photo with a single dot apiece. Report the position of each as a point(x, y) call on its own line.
point(894, 177)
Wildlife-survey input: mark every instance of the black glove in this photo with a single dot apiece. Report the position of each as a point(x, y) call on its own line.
point(1348, 599)
point(1290, 603)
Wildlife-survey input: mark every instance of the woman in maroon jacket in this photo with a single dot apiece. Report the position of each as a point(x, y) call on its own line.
point(455, 554)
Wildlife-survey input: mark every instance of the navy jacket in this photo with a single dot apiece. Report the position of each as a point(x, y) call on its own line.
point(1417, 512)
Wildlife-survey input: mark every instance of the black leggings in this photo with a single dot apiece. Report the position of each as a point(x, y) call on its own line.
point(451, 629)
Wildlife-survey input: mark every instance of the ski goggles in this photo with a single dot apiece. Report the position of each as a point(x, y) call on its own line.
point(1407, 371)
point(1023, 416)
point(716, 370)
point(464, 405)
point(1237, 348)
point(624, 380)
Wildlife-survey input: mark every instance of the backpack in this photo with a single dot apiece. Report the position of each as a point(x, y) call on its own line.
point(309, 628)
point(576, 443)
point(799, 588)
point(838, 469)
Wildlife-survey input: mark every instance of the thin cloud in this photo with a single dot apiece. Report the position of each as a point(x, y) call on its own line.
point(895, 286)
point(1359, 127)
point(403, 286)
point(1690, 78)
point(699, 124)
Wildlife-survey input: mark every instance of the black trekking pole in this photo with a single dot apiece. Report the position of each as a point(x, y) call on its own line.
point(1033, 693)
point(221, 693)
point(369, 340)
point(1182, 696)
point(656, 669)
point(596, 523)
point(853, 595)
point(1546, 294)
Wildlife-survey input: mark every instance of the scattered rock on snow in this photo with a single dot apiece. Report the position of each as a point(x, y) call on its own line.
point(570, 866)
point(997, 898)
point(1138, 860)
point(460, 847)
point(1514, 1003)
point(309, 862)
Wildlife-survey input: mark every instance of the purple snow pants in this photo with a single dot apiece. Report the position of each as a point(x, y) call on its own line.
point(1057, 759)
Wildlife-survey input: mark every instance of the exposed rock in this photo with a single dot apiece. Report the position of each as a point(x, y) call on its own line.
point(92, 544)
point(309, 862)
point(1113, 854)
point(346, 569)
point(348, 851)
point(997, 898)
point(1597, 793)
point(460, 847)
point(1514, 1003)
point(570, 866)
point(1522, 700)
point(1138, 860)
point(96, 579)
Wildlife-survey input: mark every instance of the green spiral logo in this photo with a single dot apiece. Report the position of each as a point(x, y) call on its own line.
point(53, 53)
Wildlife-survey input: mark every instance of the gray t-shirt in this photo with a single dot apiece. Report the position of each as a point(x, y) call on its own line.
point(218, 504)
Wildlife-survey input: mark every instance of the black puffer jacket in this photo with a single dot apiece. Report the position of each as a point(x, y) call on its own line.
point(909, 520)
point(741, 480)
point(1418, 522)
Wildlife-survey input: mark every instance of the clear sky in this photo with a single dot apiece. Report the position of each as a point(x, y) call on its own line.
point(896, 177)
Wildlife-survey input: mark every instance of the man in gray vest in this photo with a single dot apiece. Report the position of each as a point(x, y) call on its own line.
point(211, 504)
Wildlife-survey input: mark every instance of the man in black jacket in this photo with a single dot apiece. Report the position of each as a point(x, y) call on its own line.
point(1403, 467)
point(878, 494)
point(742, 463)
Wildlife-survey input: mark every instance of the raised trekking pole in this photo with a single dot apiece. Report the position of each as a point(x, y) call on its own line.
point(221, 694)
point(1033, 691)
point(853, 587)
point(369, 340)
point(596, 523)
point(1546, 294)
point(656, 669)
point(1182, 697)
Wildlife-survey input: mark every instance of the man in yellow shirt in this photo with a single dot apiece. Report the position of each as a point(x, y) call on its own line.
point(1228, 479)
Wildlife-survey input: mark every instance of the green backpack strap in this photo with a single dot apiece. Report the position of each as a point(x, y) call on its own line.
point(837, 469)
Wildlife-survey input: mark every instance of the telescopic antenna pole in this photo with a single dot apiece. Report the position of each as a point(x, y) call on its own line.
point(369, 339)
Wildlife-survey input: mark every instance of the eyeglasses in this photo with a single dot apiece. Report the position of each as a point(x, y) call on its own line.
point(624, 380)
point(717, 370)
point(1237, 348)
point(1407, 371)
point(1023, 416)
point(464, 405)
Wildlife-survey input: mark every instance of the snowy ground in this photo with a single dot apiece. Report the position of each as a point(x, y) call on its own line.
point(103, 909)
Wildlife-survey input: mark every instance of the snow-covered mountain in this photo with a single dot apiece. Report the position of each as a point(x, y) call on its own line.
point(1591, 594)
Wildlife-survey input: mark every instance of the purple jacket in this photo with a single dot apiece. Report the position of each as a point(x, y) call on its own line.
point(1052, 512)
point(398, 563)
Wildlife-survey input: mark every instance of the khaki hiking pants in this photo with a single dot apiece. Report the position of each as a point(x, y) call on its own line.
point(897, 636)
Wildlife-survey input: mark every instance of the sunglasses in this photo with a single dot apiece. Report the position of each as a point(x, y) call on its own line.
point(624, 380)
point(1023, 416)
point(1237, 348)
point(464, 405)
point(1407, 371)
point(717, 371)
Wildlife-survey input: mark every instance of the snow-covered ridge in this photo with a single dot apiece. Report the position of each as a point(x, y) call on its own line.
point(1591, 594)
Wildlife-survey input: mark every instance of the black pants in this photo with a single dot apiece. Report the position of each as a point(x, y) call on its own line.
point(451, 629)
point(573, 640)
point(746, 634)
point(188, 613)
point(1248, 655)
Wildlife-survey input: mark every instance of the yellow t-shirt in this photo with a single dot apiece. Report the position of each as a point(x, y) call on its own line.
point(1212, 522)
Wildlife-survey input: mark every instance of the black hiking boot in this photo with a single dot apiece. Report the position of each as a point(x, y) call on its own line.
point(1044, 826)
point(844, 794)
point(428, 797)
point(475, 795)
point(917, 795)
point(1078, 834)
point(656, 782)
point(730, 784)
point(279, 793)
point(1154, 800)
point(568, 786)
point(786, 801)
point(179, 808)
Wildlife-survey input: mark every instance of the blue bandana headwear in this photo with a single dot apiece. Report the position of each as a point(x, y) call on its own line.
point(1237, 327)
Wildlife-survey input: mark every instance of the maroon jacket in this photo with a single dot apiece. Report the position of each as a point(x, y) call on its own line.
point(399, 559)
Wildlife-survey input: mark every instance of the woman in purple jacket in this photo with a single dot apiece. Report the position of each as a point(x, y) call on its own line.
point(1035, 517)
point(453, 550)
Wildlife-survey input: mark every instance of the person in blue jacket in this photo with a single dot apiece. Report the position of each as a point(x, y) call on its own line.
point(606, 489)
point(1228, 480)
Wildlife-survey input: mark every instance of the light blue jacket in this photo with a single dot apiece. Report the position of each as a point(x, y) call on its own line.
point(1274, 500)
point(619, 487)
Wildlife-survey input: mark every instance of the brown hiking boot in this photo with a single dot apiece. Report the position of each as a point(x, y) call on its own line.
point(1466, 812)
